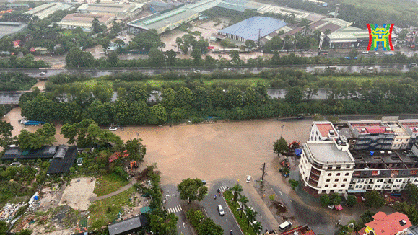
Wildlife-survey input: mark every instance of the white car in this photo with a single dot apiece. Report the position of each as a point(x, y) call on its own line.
point(221, 210)
point(365, 52)
point(42, 73)
point(248, 179)
point(112, 128)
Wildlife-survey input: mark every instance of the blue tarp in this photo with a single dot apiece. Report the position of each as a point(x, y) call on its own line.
point(145, 209)
point(298, 152)
point(251, 28)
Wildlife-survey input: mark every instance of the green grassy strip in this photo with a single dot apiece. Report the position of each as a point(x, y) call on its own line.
point(243, 222)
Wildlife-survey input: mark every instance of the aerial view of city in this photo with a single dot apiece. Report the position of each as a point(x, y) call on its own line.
point(209, 117)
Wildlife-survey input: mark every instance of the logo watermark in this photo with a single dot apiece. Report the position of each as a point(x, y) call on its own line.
point(380, 36)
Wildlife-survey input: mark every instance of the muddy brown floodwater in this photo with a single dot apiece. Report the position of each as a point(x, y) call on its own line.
point(206, 151)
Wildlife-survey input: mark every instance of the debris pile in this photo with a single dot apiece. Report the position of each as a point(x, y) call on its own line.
point(9, 211)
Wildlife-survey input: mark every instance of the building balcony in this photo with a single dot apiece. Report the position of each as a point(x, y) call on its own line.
point(312, 183)
point(314, 177)
point(315, 172)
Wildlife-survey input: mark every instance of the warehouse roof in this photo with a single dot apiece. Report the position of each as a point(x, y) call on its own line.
point(348, 34)
point(127, 225)
point(63, 164)
point(252, 28)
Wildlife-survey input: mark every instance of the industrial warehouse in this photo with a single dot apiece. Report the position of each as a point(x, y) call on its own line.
point(253, 29)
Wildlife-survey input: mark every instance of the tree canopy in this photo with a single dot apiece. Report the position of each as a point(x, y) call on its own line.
point(42, 137)
point(192, 189)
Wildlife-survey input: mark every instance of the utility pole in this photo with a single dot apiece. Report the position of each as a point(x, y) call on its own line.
point(259, 37)
point(264, 172)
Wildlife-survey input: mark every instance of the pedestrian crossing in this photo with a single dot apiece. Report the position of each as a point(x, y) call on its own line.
point(223, 188)
point(175, 209)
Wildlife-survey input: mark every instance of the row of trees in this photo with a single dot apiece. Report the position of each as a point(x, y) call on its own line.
point(70, 103)
point(202, 224)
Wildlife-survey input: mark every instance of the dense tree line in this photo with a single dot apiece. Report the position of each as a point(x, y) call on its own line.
point(27, 61)
point(193, 100)
point(16, 81)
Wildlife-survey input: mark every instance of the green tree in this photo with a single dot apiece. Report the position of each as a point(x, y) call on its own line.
point(171, 57)
point(158, 115)
point(156, 57)
point(280, 146)
point(6, 138)
point(237, 190)
point(351, 200)
point(374, 199)
point(294, 95)
point(96, 26)
point(197, 56)
point(42, 137)
point(76, 58)
point(112, 59)
point(412, 192)
point(235, 57)
point(243, 200)
point(146, 40)
point(251, 215)
point(325, 200)
point(3, 228)
point(293, 183)
point(195, 217)
point(208, 227)
point(335, 199)
point(135, 149)
point(163, 223)
point(192, 189)
point(250, 44)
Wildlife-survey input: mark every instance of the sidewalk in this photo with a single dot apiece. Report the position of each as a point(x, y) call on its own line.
point(255, 197)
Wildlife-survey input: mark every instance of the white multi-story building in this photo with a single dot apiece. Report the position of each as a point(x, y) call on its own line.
point(326, 166)
point(329, 164)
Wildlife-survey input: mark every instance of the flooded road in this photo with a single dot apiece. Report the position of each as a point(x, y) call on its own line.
point(207, 151)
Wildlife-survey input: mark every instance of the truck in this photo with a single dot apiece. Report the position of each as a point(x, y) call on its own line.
point(31, 122)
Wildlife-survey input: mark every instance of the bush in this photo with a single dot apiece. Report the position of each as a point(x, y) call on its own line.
point(294, 183)
point(325, 201)
point(351, 200)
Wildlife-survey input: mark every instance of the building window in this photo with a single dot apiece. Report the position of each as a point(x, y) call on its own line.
point(335, 186)
point(329, 167)
point(329, 174)
point(343, 185)
point(345, 180)
point(328, 180)
point(346, 174)
point(338, 174)
point(380, 180)
point(336, 180)
point(326, 186)
point(338, 167)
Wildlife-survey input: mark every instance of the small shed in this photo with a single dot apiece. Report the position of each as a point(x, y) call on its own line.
point(128, 226)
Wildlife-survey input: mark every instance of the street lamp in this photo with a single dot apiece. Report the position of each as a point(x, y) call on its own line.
point(281, 135)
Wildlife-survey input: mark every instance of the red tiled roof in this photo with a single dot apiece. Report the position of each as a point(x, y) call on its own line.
point(375, 129)
point(389, 224)
point(324, 129)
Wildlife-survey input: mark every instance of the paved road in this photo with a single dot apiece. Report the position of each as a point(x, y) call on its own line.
point(104, 72)
point(227, 222)
point(171, 199)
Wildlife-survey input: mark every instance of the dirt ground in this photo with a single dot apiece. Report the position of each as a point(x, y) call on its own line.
point(79, 192)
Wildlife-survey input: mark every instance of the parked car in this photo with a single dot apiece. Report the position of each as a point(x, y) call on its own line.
point(113, 128)
point(42, 73)
point(365, 52)
point(412, 65)
point(285, 226)
point(221, 210)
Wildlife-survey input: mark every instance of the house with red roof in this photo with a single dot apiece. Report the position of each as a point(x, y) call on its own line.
point(393, 224)
point(322, 131)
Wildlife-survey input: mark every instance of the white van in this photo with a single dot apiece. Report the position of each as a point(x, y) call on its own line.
point(285, 225)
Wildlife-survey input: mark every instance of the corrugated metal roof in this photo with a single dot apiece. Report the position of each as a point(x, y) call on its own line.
point(251, 28)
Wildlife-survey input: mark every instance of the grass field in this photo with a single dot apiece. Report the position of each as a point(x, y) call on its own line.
point(358, 79)
point(397, 7)
point(106, 211)
point(108, 183)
